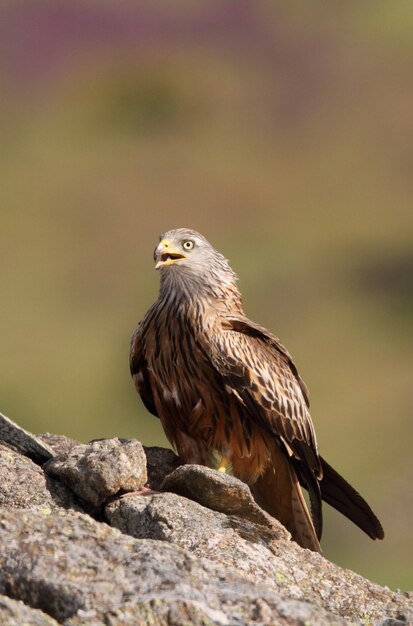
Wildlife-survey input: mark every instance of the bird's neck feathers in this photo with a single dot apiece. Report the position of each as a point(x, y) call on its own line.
point(215, 290)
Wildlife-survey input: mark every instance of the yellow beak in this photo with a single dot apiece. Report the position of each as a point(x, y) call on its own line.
point(166, 254)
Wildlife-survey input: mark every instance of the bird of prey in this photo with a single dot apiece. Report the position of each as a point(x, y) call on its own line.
point(228, 393)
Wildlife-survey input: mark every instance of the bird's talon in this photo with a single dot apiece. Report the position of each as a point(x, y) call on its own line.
point(145, 490)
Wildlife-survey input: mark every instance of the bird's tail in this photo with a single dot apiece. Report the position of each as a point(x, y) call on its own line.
point(279, 493)
point(342, 496)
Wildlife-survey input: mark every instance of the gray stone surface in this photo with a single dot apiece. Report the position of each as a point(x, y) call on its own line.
point(83, 572)
point(57, 443)
point(16, 613)
point(160, 463)
point(28, 444)
point(24, 485)
point(100, 469)
point(240, 545)
point(204, 555)
point(220, 492)
point(256, 554)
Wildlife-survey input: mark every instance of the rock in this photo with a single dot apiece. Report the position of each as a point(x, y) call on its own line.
point(159, 611)
point(101, 468)
point(220, 492)
point(240, 545)
point(24, 441)
point(256, 554)
point(390, 621)
point(24, 485)
point(16, 613)
point(201, 553)
point(57, 443)
point(160, 463)
point(84, 572)
point(169, 611)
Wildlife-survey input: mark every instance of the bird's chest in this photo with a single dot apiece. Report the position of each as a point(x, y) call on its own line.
point(182, 377)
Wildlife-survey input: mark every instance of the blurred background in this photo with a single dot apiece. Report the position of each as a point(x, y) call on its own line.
point(284, 133)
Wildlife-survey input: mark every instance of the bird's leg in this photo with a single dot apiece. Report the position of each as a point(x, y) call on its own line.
point(224, 464)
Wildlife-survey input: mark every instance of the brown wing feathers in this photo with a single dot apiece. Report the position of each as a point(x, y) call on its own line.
point(268, 384)
point(138, 368)
point(289, 422)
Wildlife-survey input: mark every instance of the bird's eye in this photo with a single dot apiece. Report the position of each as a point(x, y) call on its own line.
point(188, 245)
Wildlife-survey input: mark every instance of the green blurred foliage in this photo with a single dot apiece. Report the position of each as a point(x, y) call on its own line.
point(281, 131)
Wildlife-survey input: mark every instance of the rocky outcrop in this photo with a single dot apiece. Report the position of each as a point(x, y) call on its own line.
point(75, 550)
point(101, 469)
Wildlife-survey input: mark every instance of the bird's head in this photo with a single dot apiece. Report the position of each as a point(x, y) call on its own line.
point(186, 259)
